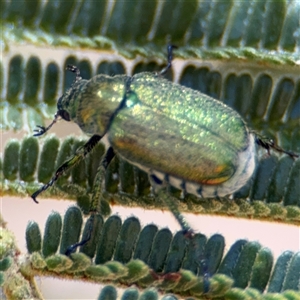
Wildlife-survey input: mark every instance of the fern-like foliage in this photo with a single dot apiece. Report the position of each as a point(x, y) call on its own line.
point(244, 53)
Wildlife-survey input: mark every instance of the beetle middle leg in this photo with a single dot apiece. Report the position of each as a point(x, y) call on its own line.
point(96, 198)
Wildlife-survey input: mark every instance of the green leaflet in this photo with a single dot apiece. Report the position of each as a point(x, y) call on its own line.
point(169, 262)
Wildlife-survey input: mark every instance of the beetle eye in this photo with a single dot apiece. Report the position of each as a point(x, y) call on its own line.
point(64, 114)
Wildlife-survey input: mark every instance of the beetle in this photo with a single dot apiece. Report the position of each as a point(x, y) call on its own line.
point(178, 135)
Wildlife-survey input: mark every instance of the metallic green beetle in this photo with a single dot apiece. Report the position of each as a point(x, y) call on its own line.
point(175, 133)
point(178, 135)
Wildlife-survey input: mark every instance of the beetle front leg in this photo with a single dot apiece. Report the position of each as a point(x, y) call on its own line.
point(80, 154)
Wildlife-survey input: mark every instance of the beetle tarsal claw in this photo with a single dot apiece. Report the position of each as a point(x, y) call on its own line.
point(39, 131)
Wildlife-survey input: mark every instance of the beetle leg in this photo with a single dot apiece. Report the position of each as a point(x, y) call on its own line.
point(170, 48)
point(42, 130)
point(71, 249)
point(95, 203)
point(160, 189)
point(99, 179)
point(270, 144)
point(80, 154)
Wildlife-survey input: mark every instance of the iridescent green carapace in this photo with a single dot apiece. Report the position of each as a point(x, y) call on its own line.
point(178, 135)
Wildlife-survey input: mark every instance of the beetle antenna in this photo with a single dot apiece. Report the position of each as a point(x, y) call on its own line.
point(270, 144)
point(170, 48)
point(41, 129)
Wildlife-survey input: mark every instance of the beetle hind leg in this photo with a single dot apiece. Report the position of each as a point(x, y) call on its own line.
point(159, 187)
